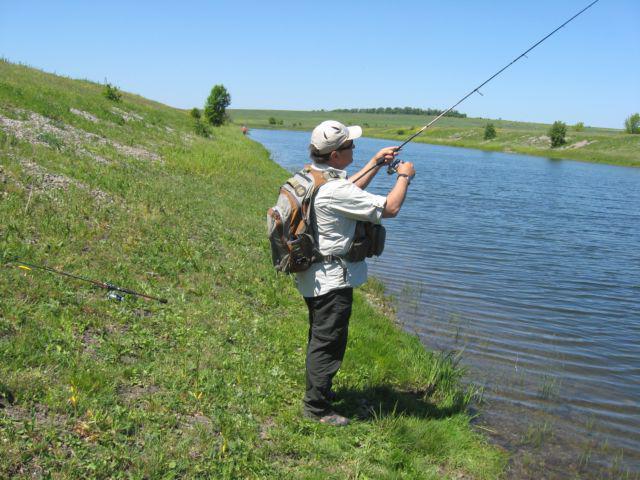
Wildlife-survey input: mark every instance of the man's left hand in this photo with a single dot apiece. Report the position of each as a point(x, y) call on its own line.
point(388, 154)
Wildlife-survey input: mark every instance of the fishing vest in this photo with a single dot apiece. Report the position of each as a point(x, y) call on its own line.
point(291, 227)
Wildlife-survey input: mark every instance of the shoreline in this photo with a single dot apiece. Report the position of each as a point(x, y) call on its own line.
point(550, 154)
point(601, 146)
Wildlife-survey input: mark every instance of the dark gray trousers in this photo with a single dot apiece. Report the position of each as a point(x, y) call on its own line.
point(328, 329)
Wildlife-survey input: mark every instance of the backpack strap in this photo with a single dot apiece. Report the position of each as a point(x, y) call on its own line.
point(321, 178)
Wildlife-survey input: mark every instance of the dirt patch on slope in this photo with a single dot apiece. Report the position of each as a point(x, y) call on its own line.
point(127, 116)
point(46, 181)
point(580, 144)
point(541, 141)
point(85, 115)
point(40, 130)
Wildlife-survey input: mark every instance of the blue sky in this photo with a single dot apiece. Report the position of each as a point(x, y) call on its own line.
point(313, 55)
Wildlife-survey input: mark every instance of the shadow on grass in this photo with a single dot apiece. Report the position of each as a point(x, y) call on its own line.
point(383, 401)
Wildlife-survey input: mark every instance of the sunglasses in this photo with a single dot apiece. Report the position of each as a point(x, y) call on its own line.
point(347, 146)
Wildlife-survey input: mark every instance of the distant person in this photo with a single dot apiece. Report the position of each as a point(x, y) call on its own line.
point(244, 130)
point(340, 210)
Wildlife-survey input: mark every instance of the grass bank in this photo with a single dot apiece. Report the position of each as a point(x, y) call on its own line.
point(209, 385)
point(597, 145)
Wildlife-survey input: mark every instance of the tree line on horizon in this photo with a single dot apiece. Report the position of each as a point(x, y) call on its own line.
point(402, 110)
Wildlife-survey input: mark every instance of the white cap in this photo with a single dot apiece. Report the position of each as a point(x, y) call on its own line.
point(329, 135)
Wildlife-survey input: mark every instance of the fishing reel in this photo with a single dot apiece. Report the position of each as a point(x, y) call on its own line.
point(115, 296)
point(393, 166)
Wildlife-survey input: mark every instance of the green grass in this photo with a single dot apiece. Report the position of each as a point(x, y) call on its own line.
point(604, 145)
point(208, 386)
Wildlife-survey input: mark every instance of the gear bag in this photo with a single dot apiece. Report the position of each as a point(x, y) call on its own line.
point(368, 241)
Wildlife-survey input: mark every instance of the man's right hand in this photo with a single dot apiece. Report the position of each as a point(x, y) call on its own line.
point(399, 191)
point(406, 168)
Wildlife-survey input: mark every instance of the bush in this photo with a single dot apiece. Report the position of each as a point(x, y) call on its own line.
point(272, 121)
point(195, 113)
point(201, 129)
point(557, 132)
point(112, 93)
point(490, 131)
point(632, 123)
point(215, 108)
point(578, 127)
point(400, 132)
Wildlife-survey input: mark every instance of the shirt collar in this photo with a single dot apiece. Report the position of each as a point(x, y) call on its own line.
point(323, 167)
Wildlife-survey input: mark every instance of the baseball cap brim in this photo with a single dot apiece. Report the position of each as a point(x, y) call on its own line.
point(354, 132)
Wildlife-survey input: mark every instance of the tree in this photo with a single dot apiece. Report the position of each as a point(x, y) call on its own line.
point(557, 132)
point(195, 113)
point(632, 123)
point(489, 131)
point(272, 121)
point(215, 108)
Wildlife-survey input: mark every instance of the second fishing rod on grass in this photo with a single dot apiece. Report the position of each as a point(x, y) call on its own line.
point(111, 288)
point(391, 168)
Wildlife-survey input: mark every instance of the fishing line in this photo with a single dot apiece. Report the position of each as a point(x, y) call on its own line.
point(392, 166)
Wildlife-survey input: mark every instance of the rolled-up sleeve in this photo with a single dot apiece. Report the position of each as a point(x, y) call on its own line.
point(353, 202)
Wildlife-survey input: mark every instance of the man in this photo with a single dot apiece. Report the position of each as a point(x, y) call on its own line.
point(327, 286)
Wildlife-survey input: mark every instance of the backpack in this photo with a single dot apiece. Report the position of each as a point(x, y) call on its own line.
point(289, 226)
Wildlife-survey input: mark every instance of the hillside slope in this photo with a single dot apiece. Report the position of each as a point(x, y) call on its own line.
point(208, 385)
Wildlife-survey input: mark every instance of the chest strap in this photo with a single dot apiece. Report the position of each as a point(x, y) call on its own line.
point(334, 259)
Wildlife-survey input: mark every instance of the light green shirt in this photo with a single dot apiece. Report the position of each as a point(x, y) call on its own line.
point(338, 205)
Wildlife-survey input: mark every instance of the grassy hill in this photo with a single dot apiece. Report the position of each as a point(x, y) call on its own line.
point(208, 385)
point(600, 145)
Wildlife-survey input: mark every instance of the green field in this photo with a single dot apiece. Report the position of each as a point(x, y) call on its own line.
point(599, 145)
point(209, 385)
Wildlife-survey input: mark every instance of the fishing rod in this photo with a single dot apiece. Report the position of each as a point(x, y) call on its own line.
point(107, 286)
point(394, 164)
